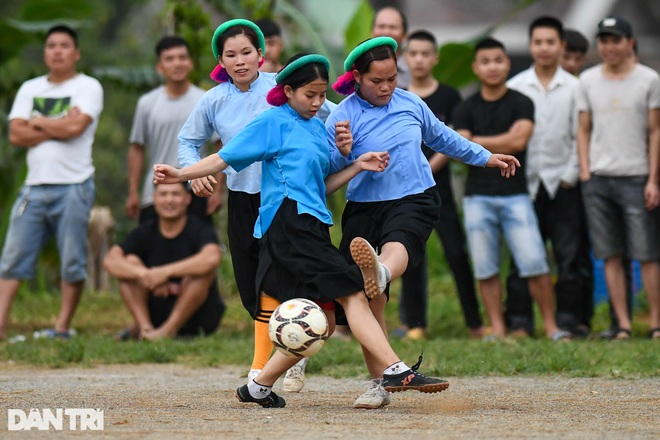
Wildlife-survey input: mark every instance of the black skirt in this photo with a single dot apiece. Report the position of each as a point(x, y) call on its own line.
point(298, 260)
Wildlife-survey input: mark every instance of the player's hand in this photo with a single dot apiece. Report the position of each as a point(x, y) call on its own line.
point(505, 162)
point(373, 161)
point(343, 137)
point(166, 174)
point(203, 187)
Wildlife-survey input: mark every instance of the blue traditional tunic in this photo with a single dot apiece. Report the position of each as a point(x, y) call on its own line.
point(398, 128)
point(295, 161)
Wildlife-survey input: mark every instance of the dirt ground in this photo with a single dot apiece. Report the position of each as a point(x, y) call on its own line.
point(174, 401)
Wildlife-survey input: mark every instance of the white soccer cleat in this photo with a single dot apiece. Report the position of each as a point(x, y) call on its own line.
point(374, 274)
point(294, 381)
point(375, 397)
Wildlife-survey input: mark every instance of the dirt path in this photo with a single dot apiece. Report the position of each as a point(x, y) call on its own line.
point(173, 401)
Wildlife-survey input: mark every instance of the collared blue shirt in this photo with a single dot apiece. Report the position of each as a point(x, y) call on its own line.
point(398, 128)
point(295, 161)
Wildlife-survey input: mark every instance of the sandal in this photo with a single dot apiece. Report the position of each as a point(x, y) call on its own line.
point(654, 333)
point(560, 335)
point(622, 334)
point(127, 334)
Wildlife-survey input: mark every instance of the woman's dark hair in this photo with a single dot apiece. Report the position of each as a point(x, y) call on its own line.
point(234, 31)
point(378, 53)
point(305, 74)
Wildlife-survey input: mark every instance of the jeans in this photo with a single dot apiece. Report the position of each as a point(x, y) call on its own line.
point(488, 218)
point(42, 211)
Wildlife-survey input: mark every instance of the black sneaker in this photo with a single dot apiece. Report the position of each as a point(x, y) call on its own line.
point(270, 401)
point(412, 380)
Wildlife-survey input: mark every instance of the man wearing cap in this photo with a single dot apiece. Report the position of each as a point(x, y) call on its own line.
point(619, 150)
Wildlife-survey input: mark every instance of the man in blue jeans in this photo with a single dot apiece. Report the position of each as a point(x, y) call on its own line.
point(501, 120)
point(54, 117)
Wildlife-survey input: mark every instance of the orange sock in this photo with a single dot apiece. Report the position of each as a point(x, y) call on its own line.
point(263, 347)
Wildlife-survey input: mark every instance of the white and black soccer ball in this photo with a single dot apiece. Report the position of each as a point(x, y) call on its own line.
point(298, 327)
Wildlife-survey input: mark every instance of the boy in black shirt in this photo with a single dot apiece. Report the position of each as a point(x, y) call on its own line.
point(501, 120)
point(167, 270)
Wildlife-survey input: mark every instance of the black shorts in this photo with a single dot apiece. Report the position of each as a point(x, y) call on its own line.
point(298, 260)
point(409, 221)
point(203, 322)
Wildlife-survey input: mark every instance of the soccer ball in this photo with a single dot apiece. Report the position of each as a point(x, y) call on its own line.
point(298, 328)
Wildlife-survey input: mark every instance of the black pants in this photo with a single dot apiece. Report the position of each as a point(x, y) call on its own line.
point(562, 221)
point(414, 289)
point(242, 213)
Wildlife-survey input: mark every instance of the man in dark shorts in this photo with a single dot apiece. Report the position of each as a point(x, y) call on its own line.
point(167, 271)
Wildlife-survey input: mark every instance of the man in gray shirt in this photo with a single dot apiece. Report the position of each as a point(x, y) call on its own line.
point(619, 150)
point(159, 116)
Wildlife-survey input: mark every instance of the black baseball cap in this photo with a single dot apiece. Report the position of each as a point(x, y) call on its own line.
point(614, 26)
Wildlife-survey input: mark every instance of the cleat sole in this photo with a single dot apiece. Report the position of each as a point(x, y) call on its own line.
point(431, 388)
point(365, 257)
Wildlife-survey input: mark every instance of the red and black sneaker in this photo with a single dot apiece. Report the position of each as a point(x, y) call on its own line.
point(270, 401)
point(412, 380)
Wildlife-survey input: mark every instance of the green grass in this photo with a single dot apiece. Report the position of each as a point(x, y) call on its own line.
point(447, 352)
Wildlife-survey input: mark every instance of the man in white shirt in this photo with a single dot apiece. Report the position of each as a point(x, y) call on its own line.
point(552, 176)
point(54, 117)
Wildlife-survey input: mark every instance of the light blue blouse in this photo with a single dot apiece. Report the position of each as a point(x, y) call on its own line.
point(399, 128)
point(293, 152)
point(226, 110)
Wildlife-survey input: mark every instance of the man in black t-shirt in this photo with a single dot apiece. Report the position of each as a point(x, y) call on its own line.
point(501, 120)
point(421, 55)
point(167, 270)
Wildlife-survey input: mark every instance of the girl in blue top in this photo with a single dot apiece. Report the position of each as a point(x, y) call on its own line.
point(226, 109)
point(394, 211)
point(239, 46)
point(298, 258)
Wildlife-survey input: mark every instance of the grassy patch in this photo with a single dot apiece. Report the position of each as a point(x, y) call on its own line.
point(447, 352)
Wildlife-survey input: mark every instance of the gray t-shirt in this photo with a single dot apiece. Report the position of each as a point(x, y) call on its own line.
point(156, 125)
point(619, 119)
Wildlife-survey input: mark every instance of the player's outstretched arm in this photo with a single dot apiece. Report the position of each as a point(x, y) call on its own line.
point(205, 167)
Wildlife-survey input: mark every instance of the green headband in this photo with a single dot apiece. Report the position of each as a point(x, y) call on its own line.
point(237, 22)
point(297, 64)
point(366, 46)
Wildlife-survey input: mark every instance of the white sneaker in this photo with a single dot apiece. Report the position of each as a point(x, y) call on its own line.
point(253, 374)
point(375, 397)
point(294, 381)
point(374, 274)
